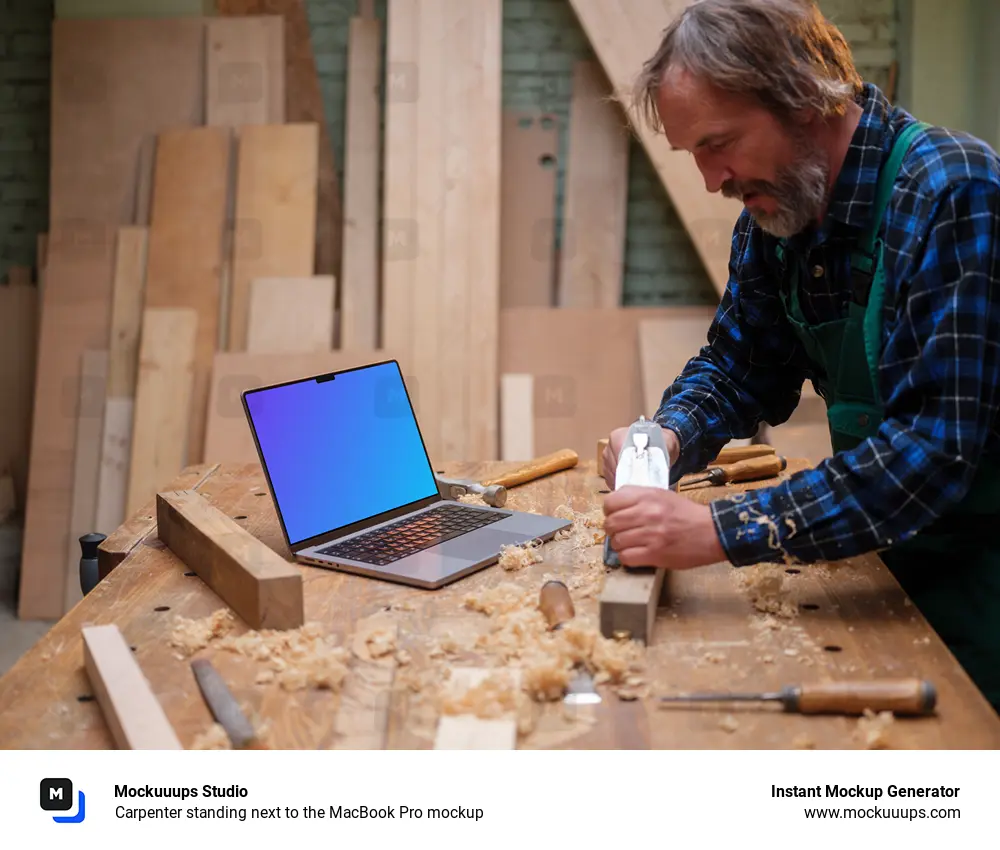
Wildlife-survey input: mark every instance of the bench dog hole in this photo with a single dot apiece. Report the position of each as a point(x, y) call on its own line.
point(241, 516)
point(162, 608)
point(833, 648)
point(793, 571)
point(809, 606)
point(85, 698)
point(189, 573)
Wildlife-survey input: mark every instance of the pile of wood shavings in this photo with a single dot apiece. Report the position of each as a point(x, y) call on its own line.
point(189, 636)
point(873, 729)
point(297, 658)
point(493, 697)
point(215, 737)
point(765, 585)
point(514, 558)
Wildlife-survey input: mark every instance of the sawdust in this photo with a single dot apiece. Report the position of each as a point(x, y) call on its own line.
point(213, 738)
point(873, 729)
point(190, 636)
point(493, 697)
point(516, 557)
point(374, 639)
point(299, 658)
point(765, 585)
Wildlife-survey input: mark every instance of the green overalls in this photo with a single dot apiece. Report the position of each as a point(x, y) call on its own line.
point(951, 569)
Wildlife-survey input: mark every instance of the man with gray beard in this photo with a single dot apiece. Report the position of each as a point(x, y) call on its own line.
point(865, 261)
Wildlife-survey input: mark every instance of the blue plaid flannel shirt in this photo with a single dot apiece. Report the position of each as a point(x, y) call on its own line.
point(939, 373)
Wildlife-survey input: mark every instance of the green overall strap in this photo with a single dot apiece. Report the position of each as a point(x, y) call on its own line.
point(871, 247)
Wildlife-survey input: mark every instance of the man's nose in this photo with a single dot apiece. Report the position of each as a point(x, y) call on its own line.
point(715, 178)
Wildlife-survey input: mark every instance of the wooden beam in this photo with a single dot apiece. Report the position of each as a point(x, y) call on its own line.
point(253, 579)
point(629, 601)
point(623, 33)
point(133, 714)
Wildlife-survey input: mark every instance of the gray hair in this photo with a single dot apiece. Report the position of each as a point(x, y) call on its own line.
point(784, 53)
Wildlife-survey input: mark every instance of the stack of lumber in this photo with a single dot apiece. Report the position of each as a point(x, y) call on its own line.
point(200, 245)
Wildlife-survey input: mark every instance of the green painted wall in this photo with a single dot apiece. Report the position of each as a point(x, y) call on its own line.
point(541, 42)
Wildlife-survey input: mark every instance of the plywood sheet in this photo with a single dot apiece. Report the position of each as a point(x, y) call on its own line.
point(18, 351)
point(530, 151)
point(304, 103)
point(185, 247)
point(228, 437)
point(245, 64)
point(162, 401)
point(86, 465)
point(115, 83)
point(275, 213)
point(359, 308)
point(441, 229)
point(592, 255)
point(291, 315)
point(585, 363)
point(623, 34)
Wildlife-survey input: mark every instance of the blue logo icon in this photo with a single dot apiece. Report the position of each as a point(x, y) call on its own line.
point(56, 795)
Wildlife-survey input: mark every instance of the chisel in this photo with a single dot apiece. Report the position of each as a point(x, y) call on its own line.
point(752, 469)
point(900, 696)
point(556, 606)
point(224, 707)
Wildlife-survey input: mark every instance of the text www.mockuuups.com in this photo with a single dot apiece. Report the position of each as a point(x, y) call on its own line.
point(880, 812)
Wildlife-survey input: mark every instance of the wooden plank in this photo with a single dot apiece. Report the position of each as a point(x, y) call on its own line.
point(628, 603)
point(18, 355)
point(517, 423)
point(582, 391)
point(359, 309)
point(441, 254)
point(185, 247)
point(275, 213)
point(128, 295)
point(363, 714)
point(115, 83)
point(131, 710)
point(291, 315)
point(466, 731)
point(665, 347)
point(87, 465)
point(530, 150)
point(228, 438)
point(245, 73)
point(592, 259)
point(162, 401)
point(256, 582)
point(623, 34)
point(304, 103)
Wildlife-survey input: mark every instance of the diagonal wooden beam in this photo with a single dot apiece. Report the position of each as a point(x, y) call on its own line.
point(623, 33)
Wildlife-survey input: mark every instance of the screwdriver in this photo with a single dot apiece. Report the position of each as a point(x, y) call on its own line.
point(900, 696)
point(752, 469)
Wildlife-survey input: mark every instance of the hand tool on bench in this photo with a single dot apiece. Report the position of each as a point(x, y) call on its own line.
point(728, 454)
point(752, 469)
point(224, 707)
point(452, 488)
point(494, 491)
point(915, 697)
point(631, 595)
point(556, 606)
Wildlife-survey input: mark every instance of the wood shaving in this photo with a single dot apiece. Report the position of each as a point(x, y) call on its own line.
point(765, 585)
point(498, 600)
point(803, 742)
point(403, 657)
point(873, 729)
point(190, 636)
point(374, 639)
point(300, 658)
point(514, 558)
point(493, 697)
point(213, 738)
point(729, 723)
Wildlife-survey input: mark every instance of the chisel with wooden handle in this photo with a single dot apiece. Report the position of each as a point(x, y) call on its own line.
point(752, 469)
point(537, 468)
point(556, 606)
point(915, 697)
point(224, 707)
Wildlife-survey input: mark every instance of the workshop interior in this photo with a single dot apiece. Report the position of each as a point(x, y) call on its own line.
point(318, 319)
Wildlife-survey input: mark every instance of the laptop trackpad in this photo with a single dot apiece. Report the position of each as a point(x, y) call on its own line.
point(481, 543)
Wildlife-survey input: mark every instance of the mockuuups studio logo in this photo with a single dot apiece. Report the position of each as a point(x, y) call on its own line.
point(56, 795)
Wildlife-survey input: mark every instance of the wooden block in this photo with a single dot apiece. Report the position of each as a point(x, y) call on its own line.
point(665, 347)
point(291, 315)
point(592, 258)
point(528, 209)
point(162, 401)
point(469, 732)
point(185, 247)
point(517, 425)
point(228, 438)
point(133, 714)
point(87, 465)
point(253, 579)
point(115, 83)
point(618, 33)
point(359, 309)
point(629, 601)
point(19, 313)
point(275, 213)
point(245, 71)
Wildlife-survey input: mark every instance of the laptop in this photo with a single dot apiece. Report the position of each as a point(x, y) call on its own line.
point(354, 488)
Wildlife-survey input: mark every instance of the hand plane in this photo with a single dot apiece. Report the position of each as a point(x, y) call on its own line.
point(644, 461)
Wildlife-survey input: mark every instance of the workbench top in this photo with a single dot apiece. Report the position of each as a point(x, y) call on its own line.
point(844, 620)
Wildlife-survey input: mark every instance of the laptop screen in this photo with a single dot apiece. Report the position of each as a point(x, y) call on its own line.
point(340, 449)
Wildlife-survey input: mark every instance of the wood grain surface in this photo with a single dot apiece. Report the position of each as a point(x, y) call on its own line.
point(851, 620)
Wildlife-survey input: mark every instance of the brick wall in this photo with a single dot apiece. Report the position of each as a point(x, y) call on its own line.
point(25, 50)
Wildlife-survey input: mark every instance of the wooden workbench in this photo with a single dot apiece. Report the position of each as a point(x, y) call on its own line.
point(851, 620)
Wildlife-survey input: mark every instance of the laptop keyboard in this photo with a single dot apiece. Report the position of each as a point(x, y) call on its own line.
point(412, 534)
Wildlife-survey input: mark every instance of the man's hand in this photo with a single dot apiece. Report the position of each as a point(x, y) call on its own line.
point(650, 527)
point(609, 459)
